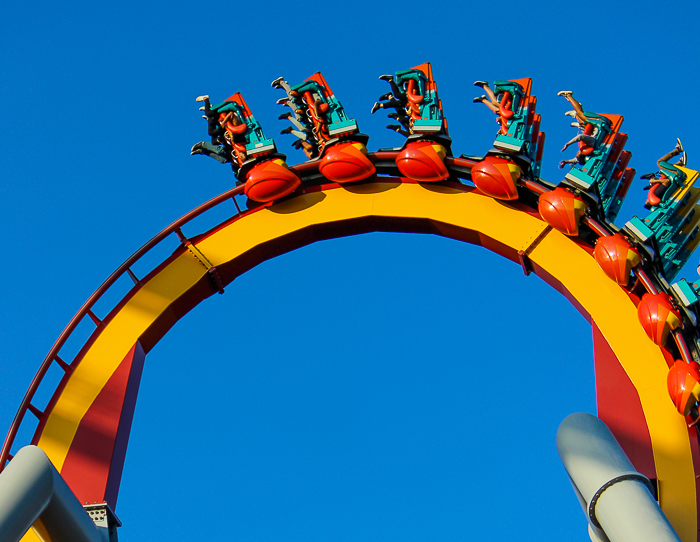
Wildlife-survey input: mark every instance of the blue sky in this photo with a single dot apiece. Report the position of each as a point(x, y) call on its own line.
point(382, 387)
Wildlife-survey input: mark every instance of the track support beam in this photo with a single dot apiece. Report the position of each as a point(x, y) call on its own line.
point(618, 500)
point(34, 495)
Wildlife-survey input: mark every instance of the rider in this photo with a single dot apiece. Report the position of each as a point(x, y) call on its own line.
point(489, 99)
point(225, 128)
point(587, 135)
point(503, 109)
point(218, 149)
point(406, 104)
point(668, 173)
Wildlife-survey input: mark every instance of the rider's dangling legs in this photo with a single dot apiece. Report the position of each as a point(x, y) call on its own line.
point(489, 99)
point(578, 108)
point(670, 170)
point(588, 140)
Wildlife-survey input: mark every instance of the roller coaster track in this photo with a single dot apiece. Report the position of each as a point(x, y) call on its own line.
point(529, 253)
point(459, 167)
point(86, 310)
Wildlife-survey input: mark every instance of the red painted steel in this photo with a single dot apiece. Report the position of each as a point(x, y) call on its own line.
point(619, 406)
point(93, 466)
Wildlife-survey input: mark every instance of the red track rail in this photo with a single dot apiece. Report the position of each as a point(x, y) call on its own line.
point(86, 310)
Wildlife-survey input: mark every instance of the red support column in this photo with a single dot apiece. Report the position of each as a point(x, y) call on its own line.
point(93, 466)
point(619, 406)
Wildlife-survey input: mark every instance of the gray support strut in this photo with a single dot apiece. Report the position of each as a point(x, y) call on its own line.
point(617, 499)
point(33, 494)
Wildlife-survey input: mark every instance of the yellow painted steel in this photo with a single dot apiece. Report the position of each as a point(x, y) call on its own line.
point(201, 257)
point(610, 308)
point(32, 535)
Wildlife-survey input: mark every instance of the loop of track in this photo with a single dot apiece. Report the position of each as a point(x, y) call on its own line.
point(384, 162)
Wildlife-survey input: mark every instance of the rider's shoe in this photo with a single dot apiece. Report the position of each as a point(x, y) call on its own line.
point(386, 77)
point(680, 150)
point(202, 98)
point(377, 106)
point(565, 93)
point(398, 129)
point(479, 98)
point(481, 84)
point(276, 82)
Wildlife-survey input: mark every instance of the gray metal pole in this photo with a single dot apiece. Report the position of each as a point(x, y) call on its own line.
point(615, 496)
point(33, 493)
